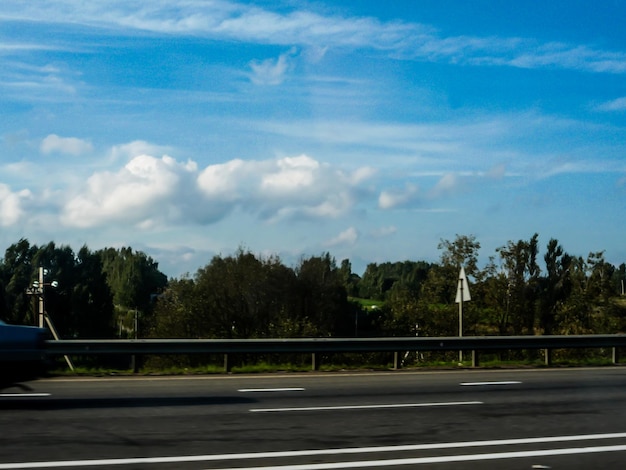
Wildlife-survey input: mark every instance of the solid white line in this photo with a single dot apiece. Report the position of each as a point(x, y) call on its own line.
point(442, 459)
point(363, 407)
point(24, 395)
point(506, 382)
point(288, 389)
point(312, 452)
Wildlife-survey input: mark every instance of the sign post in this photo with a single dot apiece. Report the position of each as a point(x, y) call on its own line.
point(462, 295)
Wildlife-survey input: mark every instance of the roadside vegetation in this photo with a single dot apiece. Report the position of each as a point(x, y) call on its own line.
point(120, 293)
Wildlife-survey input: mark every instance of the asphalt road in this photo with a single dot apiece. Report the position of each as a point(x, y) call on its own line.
point(515, 419)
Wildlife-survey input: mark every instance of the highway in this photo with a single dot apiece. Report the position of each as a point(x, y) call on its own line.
point(488, 419)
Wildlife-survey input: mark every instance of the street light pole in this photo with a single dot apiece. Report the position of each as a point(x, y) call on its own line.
point(38, 289)
point(41, 298)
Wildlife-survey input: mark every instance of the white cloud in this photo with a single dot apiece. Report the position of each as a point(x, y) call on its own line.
point(143, 192)
point(67, 145)
point(149, 192)
point(618, 104)
point(384, 232)
point(136, 148)
point(447, 184)
point(399, 197)
point(347, 237)
point(243, 22)
point(276, 189)
point(11, 205)
point(270, 71)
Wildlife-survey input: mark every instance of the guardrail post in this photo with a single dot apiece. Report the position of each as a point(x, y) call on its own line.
point(314, 363)
point(547, 356)
point(227, 364)
point(396, 360)
point(475, 359)
point(615, 355)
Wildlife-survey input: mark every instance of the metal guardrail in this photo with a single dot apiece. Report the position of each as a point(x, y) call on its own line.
point(334, 345)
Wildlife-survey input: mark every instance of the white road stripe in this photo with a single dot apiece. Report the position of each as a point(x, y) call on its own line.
point(506, 382)
point(24, 395)
point(319, 452)
point(289, 389)
point(364, 407)
point(443, 459)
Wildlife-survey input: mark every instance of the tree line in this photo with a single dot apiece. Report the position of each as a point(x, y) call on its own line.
point(95, 294)
point(120, 292)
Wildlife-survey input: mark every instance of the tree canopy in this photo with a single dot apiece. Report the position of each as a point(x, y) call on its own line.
point(119, 292)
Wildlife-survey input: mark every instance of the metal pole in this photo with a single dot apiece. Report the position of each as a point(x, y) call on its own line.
point(461, 321)
point(41, 299)
point(56, 337)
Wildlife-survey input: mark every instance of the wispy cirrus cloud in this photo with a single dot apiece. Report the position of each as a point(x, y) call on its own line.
point(394, 198)
point(271, 71)
point(616, 105)
point(346, 237)
point(231, 21)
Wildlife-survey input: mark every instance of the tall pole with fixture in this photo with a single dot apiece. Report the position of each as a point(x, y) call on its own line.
point(38, 289)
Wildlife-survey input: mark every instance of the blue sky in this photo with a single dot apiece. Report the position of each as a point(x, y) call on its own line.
point(372, 130)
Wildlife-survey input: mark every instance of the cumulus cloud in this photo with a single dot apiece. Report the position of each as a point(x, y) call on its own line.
point(144, 192)
point(150, 191)
point(11, 205)
point(66, 145)
point(277, 189)
point(136, 147)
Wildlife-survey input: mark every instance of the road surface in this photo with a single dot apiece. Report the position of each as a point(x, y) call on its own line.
point(513, 419)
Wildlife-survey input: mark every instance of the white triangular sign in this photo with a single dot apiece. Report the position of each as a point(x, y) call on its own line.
point(462, 290)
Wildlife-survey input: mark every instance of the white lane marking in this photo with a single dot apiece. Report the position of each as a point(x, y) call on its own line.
point(443, 459)
point(312, 452)
point(286, 389)
point(24, 395)
point(363, 407)
point(504, 382)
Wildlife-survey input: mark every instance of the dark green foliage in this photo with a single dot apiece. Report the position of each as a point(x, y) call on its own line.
point(134, 277)
point(80, 306)
point(379, 279)
point(108, 292)
point(242, 296)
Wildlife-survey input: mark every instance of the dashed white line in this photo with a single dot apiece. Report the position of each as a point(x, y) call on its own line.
point(364, 407)
point(261, 390)
point(24, 395)
point(478, 384)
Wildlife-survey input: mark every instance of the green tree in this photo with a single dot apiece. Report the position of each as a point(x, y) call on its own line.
point(16, 275)
point(133, 277)
point(323, 297)
point(522, 273)
point(555, 286)
point(91, 298)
